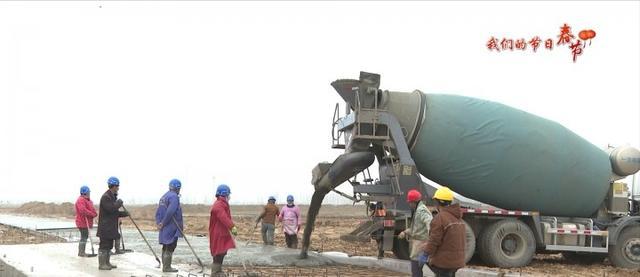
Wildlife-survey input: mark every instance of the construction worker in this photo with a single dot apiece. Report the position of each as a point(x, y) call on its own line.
point(221, 228)
point(290, 218)
point(378, 213)
point(108, 223)
point(85, 212)
point(445, 247)
point(168, 214)
point(268, 217)
point(419, 231)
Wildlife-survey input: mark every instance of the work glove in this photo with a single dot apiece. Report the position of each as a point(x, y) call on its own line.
point(423, 258)
point(119, 203)
point(125, 213)
point(160, 226)
point(234, 231)
point(402, 235)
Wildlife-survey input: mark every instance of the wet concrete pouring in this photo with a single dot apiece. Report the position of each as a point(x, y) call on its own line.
point(248, 259)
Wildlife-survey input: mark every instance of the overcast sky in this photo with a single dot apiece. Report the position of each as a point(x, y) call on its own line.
point(238, 93)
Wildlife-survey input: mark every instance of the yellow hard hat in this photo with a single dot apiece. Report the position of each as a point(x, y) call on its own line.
point(443, 194)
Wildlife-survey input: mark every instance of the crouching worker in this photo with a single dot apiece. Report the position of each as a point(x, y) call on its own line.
point(168, 213)
point(221, 228)
point(85, 212)
point(419, 231)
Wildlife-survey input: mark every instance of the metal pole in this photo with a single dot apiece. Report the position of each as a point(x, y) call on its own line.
point(189, 244)
point(143, 237)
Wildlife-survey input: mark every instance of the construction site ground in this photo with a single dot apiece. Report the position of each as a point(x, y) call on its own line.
point(332, 222)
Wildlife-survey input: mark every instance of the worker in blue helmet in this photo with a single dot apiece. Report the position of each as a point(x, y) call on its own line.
point(290, 218)
point(169, 223)
point(221, 229)
point(85, 212)
point(268, 217)
point(108, 223)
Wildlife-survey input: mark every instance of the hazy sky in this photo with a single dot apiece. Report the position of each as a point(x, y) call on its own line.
point(238, 93)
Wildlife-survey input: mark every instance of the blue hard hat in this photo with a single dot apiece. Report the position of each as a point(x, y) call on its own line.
point(272, 198)
point(175, 184)
point(289, 198)
point(223, 190)
point(113, 181)
point(84, 190)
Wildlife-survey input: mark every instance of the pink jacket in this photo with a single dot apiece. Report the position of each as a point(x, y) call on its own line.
point(85, 212)
point(290, 218)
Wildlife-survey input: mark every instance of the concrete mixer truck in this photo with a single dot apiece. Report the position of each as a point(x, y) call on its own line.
point(525, 184)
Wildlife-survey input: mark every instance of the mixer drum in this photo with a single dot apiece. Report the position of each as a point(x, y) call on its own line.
point(506, 157)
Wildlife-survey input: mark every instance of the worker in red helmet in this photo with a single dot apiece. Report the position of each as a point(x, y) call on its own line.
point(418, 234)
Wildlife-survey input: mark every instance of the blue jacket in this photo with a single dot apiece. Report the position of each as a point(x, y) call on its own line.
point(168, 208)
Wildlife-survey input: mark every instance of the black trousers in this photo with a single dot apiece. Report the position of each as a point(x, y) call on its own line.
point(442, 272)
point(170, 247)
point(291, 240)
point(416, 269)
point(84, 234)
point(106, 244)
point(219, 258)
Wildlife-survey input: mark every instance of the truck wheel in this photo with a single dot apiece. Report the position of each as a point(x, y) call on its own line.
point(626, 252)
point(584, 258)
point(470, 242)
point(507, 243)
point(400, 248)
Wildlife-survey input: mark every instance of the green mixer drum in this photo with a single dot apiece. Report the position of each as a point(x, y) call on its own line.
point(509, 158)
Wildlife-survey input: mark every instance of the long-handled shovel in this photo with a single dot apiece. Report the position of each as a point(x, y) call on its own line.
point(189, 244)
point(93, 252)
point(253, 230)
point(122, 239)
point(143, 237)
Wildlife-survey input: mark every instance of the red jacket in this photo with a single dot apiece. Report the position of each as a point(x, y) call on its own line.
point(220, 224)
point(85, 212)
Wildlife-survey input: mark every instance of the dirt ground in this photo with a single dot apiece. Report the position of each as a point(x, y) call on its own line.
point(11, 235)
point(332, 222)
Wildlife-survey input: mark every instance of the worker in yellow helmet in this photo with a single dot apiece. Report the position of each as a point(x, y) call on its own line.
point(445, 245)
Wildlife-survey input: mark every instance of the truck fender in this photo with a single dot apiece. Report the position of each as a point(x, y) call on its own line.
point(619, 225)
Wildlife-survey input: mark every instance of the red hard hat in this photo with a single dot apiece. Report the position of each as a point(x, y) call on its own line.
point(413, 195)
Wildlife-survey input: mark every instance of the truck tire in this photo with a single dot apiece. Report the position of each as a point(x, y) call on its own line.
point(507, 243)
point(626, 252)
point(470, 243)
point(584, 258)
point(400, 248)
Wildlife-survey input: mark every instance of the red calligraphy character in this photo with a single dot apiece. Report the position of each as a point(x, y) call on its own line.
point(521, 44)
point(535, 42)
point(565, 35)
point(492, 44)
point(576, 49)
point(507, 44)
point(548, 44)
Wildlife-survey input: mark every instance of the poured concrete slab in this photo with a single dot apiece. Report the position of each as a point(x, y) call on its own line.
point(59, 259)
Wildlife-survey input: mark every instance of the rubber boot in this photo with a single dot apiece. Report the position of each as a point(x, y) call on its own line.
point(215, 269)
point(102, 260)
point(81, 247)
point(109, 260)
point(118, 248)
point(167, 256)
